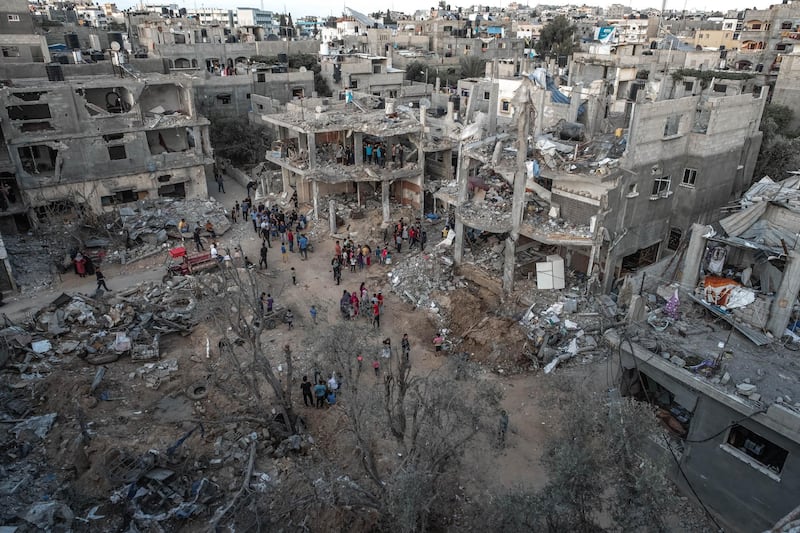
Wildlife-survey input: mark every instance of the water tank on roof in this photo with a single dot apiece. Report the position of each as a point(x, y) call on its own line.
point(72, 42)
point(55, 72)
point(115, 37)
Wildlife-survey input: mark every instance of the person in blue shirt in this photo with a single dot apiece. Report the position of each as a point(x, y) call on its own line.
point(368, 152)
point(319, 392)
point(302, 242)
point(331, 398)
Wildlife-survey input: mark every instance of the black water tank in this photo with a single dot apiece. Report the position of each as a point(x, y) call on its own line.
point(114, 36)
point(72, 42)
point(98, 55)
point(55, 72)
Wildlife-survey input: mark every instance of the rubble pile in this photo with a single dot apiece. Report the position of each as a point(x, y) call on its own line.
point(100, 330)
point(153, 222)
point(422, 273)
point(37, 260)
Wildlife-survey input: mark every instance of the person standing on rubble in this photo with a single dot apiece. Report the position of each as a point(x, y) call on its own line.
point(101, 279)
point(198, 243)
point(263, 260)
point(220, 182)
point(235, 213)
point(406, 346)
point(302, 242)
point(305, 386)
point(400, 155)
point(319, 391)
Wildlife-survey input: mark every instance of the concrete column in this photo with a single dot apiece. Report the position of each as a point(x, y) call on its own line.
point(387, 215)
point(332, 215)
point(781, 309)
point(206, 141)
point(451, 111)
point(493, 96)
point(315, 193)
point(518, 202)
point(311, 141)
point(694, 256)
point(461, 180)
point(358, 148)
point(285, 178)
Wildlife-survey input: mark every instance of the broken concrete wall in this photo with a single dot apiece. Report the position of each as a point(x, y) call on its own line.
point(735, 480)
point(107, 193)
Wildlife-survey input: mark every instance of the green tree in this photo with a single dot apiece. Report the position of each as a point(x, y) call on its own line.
point(415, 71)
point(780, 148)
point(238, 140)
point(472, 67)
point(557, 38)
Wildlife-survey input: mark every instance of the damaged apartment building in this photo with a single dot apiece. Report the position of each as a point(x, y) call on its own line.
point(330, 147)
point(99, 141)
point(607, 192)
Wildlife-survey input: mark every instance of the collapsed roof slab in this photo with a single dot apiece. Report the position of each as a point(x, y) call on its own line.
point(374, 123)
point(338, 173)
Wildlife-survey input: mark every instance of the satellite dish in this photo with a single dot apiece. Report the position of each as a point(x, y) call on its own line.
point(302, 69)
point(115, 46)
point(424, 103)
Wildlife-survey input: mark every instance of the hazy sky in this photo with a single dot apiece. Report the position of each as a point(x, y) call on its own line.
point(322, 8)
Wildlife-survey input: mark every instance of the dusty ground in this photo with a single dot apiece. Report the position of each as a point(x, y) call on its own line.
point(136, 418)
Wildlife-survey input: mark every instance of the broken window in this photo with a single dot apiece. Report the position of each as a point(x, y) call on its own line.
point(116, 153)
point(505, 106)
point(354, 84)
point(164, 99)
point(165, 178)
point(10, 51)
point(113, 137)
point(38, 159)
point(689, 177)
point(633, 190)
point(13, 18)
point(182, 62)
point(640, 258)
point(376, 69)
point(720, 87)
point(120, 197)
point(765, 453)
point(688, 86)
point(224, 98)
point(261, 78)
point(169, 140)
point(180, 38)
point(674, 240)
point(671, 125)
point(28, 112)
point(29, 97)
point(105, 100)
point(661, 187)
point(487, 95)
point(298, 92)
point(176, 190)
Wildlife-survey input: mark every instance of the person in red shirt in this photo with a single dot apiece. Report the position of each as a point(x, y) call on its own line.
point(376, 316)
point(380, 300)
point(354, 303)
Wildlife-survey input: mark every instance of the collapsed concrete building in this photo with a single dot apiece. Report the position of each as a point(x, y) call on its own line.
point(608, 192)
point(101, 142)
point(314, 140)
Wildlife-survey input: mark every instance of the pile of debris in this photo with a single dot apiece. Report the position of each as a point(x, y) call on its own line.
point(420, 274)
point(153, 222)
point(100, 330)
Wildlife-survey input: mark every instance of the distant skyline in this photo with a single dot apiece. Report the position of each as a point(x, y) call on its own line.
point(324, 9)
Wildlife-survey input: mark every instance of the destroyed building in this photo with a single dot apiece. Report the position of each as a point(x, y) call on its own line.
point(314, 142)
point(101, 141)
point(608, 192)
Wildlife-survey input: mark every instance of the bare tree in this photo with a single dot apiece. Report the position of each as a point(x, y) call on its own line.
point(241, 320)
point(429, 419)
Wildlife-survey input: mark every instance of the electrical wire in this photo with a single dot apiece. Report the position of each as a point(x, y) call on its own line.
point(625, 338)
point(726, 428)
